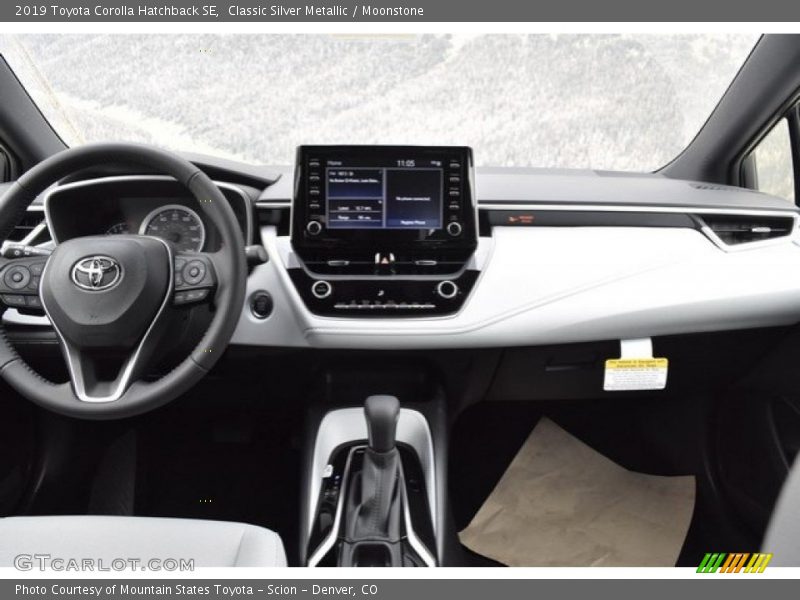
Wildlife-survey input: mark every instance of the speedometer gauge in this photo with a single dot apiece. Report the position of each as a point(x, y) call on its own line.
point(177, 224)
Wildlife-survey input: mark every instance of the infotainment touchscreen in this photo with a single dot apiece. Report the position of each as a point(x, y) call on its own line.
point(405, 193)
point(383, 230)
point(351, 199)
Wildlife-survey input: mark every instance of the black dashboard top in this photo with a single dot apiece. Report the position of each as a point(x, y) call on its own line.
point(573, 187)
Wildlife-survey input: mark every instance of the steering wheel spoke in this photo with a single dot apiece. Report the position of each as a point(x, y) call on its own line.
point(84, 371)
point(195, 278)
point(19, 282)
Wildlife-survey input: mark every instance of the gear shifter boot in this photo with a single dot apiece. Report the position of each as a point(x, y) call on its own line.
point(375, 512)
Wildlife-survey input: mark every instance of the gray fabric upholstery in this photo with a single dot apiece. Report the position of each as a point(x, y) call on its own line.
point(783, 533)
point(209, 543)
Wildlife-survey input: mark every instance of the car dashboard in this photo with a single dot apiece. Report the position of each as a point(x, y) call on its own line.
point(486, 257)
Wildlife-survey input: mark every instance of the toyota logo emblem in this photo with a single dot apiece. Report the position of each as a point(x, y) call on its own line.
point(96, 273)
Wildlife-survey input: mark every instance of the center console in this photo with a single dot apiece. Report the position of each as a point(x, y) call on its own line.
point(384, 231)
point(372, 489)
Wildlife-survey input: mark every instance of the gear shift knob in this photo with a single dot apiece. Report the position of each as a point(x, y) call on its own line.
point(382, 413)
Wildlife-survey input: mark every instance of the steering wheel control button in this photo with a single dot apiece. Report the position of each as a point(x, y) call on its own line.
point(17, 277)
point(261, 305)
point(190, 296)
point(33, 302)
point(447, 289)
point(13, 300)
point(194, 272)
point(314, 228)
point(321, 289)
point(196, 295)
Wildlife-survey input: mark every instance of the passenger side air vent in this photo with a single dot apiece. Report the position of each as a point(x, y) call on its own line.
point(30, 221)
point(742, 229)
point(711, 186)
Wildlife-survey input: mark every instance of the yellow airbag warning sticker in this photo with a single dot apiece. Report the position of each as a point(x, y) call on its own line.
point(627, 374)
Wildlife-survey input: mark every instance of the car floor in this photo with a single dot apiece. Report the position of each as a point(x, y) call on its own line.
point(230, 472)
point(239, 464)
point(647, 435)
point(205, 457)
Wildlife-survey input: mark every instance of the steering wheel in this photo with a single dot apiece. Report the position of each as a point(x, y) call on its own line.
point(117, 294)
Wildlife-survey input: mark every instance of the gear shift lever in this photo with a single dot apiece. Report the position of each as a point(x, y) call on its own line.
point(374, 504)
point(382, 413)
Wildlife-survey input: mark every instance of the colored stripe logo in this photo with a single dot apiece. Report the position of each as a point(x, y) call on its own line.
point(738, 562)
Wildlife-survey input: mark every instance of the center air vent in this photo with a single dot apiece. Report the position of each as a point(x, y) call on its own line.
point(741, 229)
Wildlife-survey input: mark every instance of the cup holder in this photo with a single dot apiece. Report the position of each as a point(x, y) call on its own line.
point(372, 554)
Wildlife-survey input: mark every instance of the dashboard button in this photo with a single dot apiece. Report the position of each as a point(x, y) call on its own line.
point(321, 289)
point(454, 228)
point(447, 289)
point(261, 305)
point(314, 228)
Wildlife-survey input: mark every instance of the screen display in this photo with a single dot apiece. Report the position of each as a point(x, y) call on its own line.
point(400, 194)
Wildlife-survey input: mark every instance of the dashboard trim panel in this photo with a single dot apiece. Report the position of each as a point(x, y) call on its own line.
point(636, 282)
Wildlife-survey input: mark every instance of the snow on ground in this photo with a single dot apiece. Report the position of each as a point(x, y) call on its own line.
point(595, 101)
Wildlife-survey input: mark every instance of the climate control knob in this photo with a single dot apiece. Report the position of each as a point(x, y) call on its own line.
point(314, 228)
point(447, 290)
point(454, 228)
point(321, 289)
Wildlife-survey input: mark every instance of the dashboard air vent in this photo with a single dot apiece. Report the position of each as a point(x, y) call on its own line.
point(741, 229)
point(711, 186)
point(29, 222)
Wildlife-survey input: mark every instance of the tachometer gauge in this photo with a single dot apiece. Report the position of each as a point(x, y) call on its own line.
point(177, 224)
point(118, 229)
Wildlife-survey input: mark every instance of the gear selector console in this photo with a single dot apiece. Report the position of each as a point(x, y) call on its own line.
point(373, 506)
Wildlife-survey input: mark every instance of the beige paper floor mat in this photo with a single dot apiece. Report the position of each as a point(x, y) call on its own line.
point(561, 503)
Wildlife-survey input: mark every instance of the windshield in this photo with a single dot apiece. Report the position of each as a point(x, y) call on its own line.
point(627, 102)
